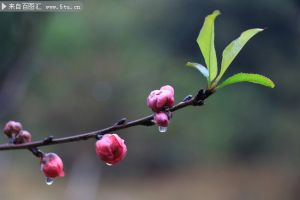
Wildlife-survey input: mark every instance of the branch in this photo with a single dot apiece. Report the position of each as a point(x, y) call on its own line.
point(198, 100)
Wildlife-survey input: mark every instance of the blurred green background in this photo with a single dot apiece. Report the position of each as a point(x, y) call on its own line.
point(68, 73)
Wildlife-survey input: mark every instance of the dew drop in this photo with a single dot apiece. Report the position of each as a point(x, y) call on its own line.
point(49, 181)
point(162, 129)
point(108, 164)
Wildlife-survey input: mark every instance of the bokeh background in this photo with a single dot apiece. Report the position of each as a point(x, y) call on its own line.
point(68, 73)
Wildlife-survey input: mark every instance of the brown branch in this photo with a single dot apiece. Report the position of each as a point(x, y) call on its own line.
point(198, 100)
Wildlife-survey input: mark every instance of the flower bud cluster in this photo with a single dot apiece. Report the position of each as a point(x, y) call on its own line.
point(159, 101)
point(14, 131)
point(51, 164)
point(110, 148)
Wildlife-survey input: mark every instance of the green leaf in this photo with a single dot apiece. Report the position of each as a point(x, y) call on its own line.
point(199, 67)
point(206, 42)
point(246, 77)
point(233, 49)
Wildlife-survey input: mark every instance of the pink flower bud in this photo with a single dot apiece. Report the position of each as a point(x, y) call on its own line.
point(52, 165)
point(168, 87)
point(161, 119)
point(111, 149)
point(152, 99)
point(23, 137)
point(158, 99)
point(12, 128)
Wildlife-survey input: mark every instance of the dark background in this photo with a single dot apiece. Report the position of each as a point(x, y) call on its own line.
point(68, 73)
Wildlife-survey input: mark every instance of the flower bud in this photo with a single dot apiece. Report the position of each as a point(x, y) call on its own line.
point(161, 119)
point(111, 149)
point(23, 137)
point(12, 128)
point(52, 165)
point(159, 99)
point(168, 87)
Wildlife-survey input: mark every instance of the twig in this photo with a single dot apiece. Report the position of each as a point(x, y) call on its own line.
point(198, 100)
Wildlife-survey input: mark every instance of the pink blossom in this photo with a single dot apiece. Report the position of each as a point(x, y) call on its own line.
point(159, 99)
point(23, 137)
point(12, 128)
point(52, 165)
point(111, 148)
point(168, 87)
point(161, 119)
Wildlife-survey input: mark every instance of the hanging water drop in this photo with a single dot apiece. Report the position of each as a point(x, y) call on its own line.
point(108, 164)
point(162, 129)
point(49, 181)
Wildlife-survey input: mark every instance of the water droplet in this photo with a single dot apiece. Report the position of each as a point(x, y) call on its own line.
point(108, 164)
point(49, 181)
point(162, 129)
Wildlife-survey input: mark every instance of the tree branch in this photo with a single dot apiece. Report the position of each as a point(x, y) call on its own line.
point(198, 100)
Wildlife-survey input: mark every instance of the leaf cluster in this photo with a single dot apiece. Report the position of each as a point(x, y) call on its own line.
point(206, 42)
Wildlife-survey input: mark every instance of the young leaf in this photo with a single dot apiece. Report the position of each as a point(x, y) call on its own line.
point(206, 42)
point(233, 49)
point(200, 67)
point(246, 77)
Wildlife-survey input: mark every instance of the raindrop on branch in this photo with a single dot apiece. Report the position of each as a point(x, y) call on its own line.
point(49, 181)
point(162, 129)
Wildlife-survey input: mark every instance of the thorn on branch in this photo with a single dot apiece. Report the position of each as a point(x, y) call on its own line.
point(121, 122)
point(187, 98)
point(99, 136)
point(48, 139)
